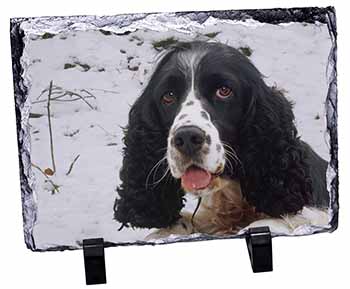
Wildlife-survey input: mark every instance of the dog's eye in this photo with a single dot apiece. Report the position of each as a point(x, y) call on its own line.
point(224, 92)
point(169, 98)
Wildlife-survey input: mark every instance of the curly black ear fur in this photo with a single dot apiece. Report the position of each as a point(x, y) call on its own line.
point(277, 178)
point(144, 201)
point(147, 197)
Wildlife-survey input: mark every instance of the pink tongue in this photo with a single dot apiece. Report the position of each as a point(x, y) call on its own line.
point(195, 178)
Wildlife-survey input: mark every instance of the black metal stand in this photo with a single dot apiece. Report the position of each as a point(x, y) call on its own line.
point(94, 260)
point(259, 243)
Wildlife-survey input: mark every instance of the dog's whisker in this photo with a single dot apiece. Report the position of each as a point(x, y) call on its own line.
point(155, 174)
point(156, 170)
point(229, 164)
point(168, 178)
point(231, 153)
point(164, 175)
point(155, 167)
point(227, 158)
point(229, 149)
point(234, 157)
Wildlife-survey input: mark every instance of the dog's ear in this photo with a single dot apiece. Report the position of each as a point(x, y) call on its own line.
point(148, 196)
point(277, 179)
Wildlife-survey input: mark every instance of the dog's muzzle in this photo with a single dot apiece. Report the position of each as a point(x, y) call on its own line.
point(189, 140)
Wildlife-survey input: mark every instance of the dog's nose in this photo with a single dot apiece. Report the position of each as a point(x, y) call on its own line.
point(189, 139)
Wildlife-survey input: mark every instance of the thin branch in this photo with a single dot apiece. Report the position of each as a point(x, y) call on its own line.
point(106, 131)
point(52, 98)
point(58, 98)
point(53, 92)
point(105, 90)
point(50, 128)
point(59, 90)
point(82, 98)
point(73, 99)
point(55, 187)
point(72, 164)
point(41, 93)
point(89, 93)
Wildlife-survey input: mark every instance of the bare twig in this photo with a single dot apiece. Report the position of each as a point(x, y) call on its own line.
point(106, 131)
point(73, 99)
point(63, 92)
point(50, 128)
point(72, 164)
point(41, 93)
point(89, 93)
point(82, 98)
point(54, 87)
point(104, 90)
point(58, 98)
point(55, 187)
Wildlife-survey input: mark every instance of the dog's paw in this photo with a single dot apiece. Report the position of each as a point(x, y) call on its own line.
point(181, 228)
point(277, 226)
point(297, 224)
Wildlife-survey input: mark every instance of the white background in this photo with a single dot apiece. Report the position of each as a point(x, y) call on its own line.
point(318, 261)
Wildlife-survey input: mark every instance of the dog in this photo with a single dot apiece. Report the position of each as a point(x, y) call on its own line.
point(207, 124)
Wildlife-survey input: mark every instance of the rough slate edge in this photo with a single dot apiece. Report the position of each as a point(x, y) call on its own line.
point(273, 16)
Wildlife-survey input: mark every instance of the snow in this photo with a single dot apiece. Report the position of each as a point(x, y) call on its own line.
point(294, 57)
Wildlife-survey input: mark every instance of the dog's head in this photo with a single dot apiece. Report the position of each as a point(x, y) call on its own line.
point(201, 91)
point(207, 111)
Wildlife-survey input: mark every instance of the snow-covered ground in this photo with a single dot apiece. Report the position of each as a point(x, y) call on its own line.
point(114, 69)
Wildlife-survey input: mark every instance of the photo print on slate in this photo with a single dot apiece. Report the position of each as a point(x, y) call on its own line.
point(168, 127)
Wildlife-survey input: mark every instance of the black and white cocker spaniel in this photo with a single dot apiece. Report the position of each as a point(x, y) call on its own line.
point(208, 125)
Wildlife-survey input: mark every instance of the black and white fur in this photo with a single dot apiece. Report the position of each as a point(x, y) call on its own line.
point(249, 137)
